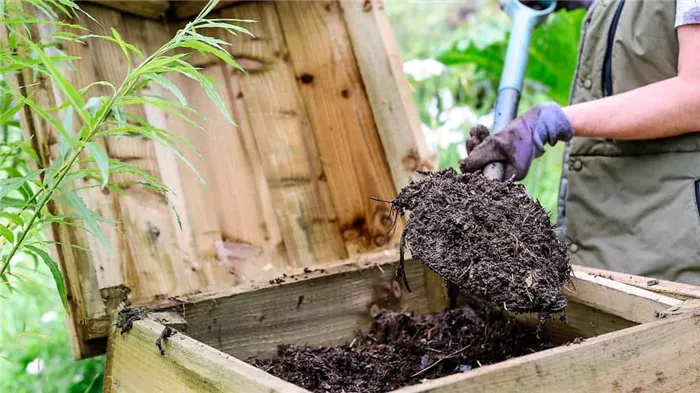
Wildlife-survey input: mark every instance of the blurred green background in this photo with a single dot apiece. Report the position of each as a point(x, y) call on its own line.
point(453, 53)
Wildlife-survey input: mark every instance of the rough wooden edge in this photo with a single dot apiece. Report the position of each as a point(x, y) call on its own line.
point(136, 364)
point(677, 290)
point(152, 9)
point(188, 9)
point(657, 357)
point(626, 301)
point(327, 310)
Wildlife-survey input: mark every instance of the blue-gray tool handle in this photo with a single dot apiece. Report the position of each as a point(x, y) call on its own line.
point(525, 19)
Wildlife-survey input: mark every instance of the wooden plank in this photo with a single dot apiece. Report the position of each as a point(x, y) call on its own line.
point(387, 89)
point(189, 9)
point(326, 310)
point(253, 320)
point(149, 9)
point(285, 140)
point(631, 303)
point(582, 321)
point(233, 210)
point(669, 288)
point(663, 356)
point(350, 150)
point(135, 364)
point(242, 186)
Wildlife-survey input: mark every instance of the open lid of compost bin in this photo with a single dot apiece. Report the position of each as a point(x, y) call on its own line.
point(325, 121)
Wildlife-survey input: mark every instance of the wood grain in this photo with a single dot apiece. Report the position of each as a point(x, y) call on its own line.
point(663, 356)
point(149, 9)
point(350, 150)
point(670, 288)
point(387, 89)
point(285, 141)
point(135, 364)
point(626, 301)
point(321, 311)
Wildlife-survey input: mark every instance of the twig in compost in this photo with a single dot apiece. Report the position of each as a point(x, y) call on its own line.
point(453, 354)
point(401, 268)
point(167, 332)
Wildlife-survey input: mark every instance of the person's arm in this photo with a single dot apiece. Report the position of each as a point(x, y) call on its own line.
point(667, 108)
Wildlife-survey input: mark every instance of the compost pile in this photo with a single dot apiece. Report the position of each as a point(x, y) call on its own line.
point(487, 238)
point(402, 349)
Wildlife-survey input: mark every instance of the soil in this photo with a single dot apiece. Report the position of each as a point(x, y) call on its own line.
point(127, 316)
point(487, 238)
point(402, 349)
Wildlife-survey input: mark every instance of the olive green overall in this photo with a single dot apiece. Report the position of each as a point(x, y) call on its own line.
point(631, 206)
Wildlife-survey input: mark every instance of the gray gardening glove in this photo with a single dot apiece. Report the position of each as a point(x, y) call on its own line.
point(568, 5)
point(519, 142)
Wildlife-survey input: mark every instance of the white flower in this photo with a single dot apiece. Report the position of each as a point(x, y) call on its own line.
point(35, 367)
point(421, 69)
point(49, 317)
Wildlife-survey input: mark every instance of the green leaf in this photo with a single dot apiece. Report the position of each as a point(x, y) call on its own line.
point(46, 116)
point(14, 183)
point(9, 113)
point(14, 218)
point(167, 84)
point(55, 272)
point(7, 234)
point(100, 156)
point(221, 54)
point(64, 146)
point(71, 94)
point(5, 280)
point(88, 216)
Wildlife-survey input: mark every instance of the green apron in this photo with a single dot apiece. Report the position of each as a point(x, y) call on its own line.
point(631, 206)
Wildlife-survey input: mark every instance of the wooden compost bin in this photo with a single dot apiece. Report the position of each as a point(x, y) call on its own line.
point(285, 246)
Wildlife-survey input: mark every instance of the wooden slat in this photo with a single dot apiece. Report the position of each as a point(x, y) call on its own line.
point(187, 9)
point(351, 153)
point(670, 288)
point(149, 9)
point(322, 311)
point(663, 356)
point(238, 210)
point(285, 141)
point(626, 301)
point(254, 320)
point(135, 364)
point(387, 89)
point(582, 321)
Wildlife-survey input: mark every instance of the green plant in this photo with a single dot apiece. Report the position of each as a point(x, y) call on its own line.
point(81, 121)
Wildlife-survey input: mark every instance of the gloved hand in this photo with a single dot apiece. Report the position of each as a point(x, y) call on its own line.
point(565, 4)
point(519, 142)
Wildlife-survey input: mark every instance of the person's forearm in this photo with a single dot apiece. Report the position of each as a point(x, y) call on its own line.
point(663, 109)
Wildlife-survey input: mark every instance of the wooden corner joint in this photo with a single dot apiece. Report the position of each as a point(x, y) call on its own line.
point(688, 306)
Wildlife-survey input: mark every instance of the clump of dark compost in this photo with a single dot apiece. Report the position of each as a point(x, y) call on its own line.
point(487, 238)
point(403, 348)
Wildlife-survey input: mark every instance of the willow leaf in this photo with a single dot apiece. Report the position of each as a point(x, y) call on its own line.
point(55, 272)
point(46, 116)
point(99, 154)
point(88, 216)
point(221, 54)
point(14, 183)
point(71, 93)
point(7, 234)
point(14, 218)
point(170, 86)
